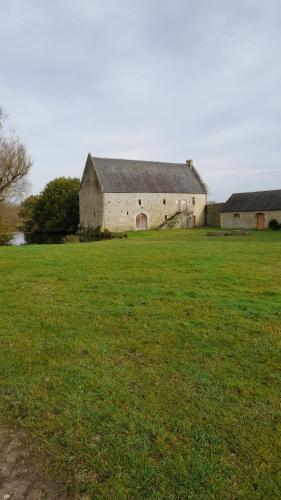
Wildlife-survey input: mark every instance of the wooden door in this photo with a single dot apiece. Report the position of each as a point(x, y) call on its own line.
point(260, 221)
point(141, 221)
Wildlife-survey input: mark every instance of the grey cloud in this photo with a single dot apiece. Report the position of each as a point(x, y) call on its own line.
point(146, 79)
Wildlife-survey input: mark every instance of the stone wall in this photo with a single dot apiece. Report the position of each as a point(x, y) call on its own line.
point(121, 209)
point(90, 198)
point(213, 213)
point(247, 220)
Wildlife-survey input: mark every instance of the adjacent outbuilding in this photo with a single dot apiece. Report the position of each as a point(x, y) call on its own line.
point(251, 210)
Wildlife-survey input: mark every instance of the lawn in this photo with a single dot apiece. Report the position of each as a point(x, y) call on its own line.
point(147, 367)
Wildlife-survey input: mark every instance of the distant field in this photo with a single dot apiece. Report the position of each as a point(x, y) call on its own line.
point(148, 367)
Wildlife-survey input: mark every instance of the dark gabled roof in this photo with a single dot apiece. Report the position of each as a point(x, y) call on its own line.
point(131, 176)
point(253, 202)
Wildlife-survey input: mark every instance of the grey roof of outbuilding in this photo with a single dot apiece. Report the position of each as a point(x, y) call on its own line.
point(252, 202)
point(131, 176)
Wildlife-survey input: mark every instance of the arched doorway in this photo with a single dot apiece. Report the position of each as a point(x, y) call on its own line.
point(260, 220)
point(141, 221)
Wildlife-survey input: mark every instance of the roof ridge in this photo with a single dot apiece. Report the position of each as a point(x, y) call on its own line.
point(138, 161)
point(257, 192)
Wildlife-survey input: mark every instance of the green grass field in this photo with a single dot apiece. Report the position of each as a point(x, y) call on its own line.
point(148, 367)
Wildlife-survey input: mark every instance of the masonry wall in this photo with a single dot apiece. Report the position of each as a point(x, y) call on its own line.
point(213, 213)
point(90, 199)
point(247, 220)
point(121, 209)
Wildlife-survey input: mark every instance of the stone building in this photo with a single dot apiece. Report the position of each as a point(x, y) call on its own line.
point(213, 214)
point(251, 210)
point(124, 195)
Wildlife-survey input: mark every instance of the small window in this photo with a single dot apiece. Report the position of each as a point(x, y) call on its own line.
point(127, 213)
point(166, 217)
point(139, 202)
point(164, 202)
point(94, 214)
point(193, 200)
point(237, 216)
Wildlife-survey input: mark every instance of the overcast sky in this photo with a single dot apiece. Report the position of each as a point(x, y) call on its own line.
point(164, 80)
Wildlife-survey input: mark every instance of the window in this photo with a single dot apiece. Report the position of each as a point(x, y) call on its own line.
point(94, 214)
point(236, 216)
point(164, 202)
point(183, 205)
point(193, 200)
point(166, 217)
point(127, 213)
point(139, 202)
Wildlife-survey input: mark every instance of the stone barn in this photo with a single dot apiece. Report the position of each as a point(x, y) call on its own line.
point(251, 210)
point(124, 195)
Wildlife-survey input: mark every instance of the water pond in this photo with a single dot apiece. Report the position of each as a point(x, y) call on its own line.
point(18, 239)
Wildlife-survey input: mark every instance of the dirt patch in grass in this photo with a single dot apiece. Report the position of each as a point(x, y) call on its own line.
point(18, 479)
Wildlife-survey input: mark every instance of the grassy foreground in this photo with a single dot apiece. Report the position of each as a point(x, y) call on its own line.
point(148, 367)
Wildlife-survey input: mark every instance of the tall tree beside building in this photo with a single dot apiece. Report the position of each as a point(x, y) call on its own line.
point(55, 210)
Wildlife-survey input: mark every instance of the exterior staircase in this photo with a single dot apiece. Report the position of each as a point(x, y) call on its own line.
point(180, 219)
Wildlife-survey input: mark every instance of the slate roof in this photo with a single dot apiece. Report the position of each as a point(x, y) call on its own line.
point(259, 201)
point(131, 176)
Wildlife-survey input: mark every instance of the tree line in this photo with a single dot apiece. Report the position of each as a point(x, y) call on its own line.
point(15, 163)
point(55, 211)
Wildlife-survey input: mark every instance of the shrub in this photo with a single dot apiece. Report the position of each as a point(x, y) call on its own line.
point(274, 224)
point(91, 233)
point(5, 235)
point(55, 210)
point(70, 238)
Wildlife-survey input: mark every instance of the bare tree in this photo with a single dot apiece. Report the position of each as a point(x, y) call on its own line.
point(15, 164)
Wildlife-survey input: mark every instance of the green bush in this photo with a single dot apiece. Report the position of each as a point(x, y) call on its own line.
point(5, 236)
point(70, 238)
point(274, 224)
point(91, 233)
point(54, 211)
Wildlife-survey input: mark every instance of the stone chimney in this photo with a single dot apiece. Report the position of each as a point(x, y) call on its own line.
point(189, 163)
